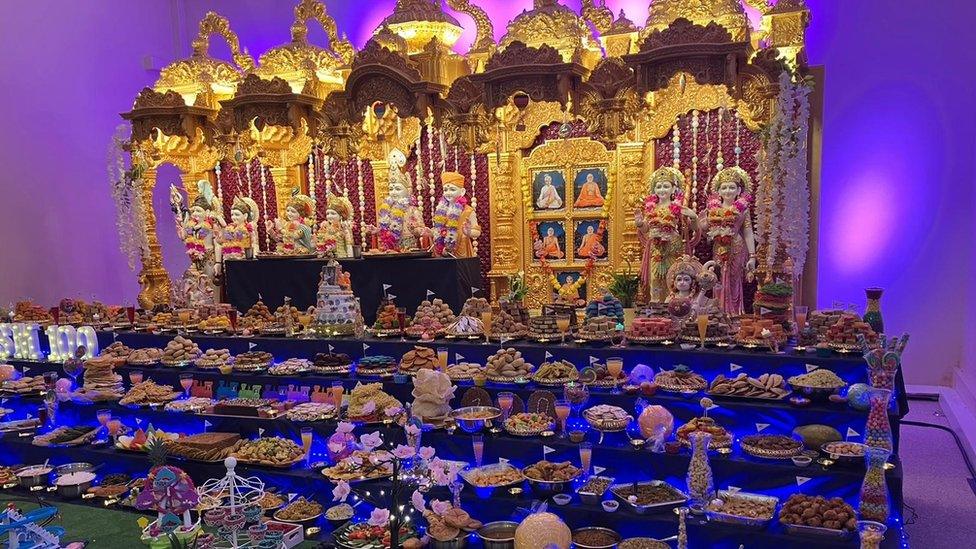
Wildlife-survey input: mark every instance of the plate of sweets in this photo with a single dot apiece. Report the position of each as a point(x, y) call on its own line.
point(464, 371)
point(213, 359)
point(721, 439)
point(557, 372)
point(369, 403)
point(387, 320)
point(597, 375)
point(598, 328)
point(376, 366)
point(526, 424)
point(507, 366)
point(771, 446)
point(332, 363)
point(466, 326)
point(361, 465)
point(764, 387)
point(607, 418)
point(299, 510)
point(252, 361)
point(493, 475)
point(180, 352)
point(817, 516)
point(505, 326)
point(842, 336)
point(362, 535)
point(681, 379)
point(214, 324)
point(148, 393)
point(291, 367)
point(190, 405)
point(147, 356)
point(653, 329)
point(311, 411)
point(741, 508)
point(270, 451)
point(418, 358)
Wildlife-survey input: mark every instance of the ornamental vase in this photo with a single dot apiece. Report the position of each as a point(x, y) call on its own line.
point(872, 314)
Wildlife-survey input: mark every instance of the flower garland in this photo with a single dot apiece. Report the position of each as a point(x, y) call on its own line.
point(796, 190)
point(127, 195)
point(721, 219)
point(663, 228)
point(392, 215)
point(447, 217)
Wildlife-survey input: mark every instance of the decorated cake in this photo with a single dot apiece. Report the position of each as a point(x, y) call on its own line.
point(337, 311)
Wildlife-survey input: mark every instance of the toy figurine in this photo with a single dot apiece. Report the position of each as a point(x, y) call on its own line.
point(294, 232)
point(659, 229)
point(239, 239)
point(400, 222)
point(170, 492)
point(729, 227)
point(455, 222)
point(334, 237)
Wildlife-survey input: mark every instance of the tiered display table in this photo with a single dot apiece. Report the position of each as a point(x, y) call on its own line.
point(773, 477)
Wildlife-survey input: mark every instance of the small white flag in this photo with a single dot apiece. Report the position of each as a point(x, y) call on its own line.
point(331, 348)
point(115, 336)
point(800, 481)
point(207, 425)
point(734, 367)
point(475, 290)
point(430, 293)
point(458, 357)
point(547, 450)
point(760, 427)
point(30, 416)
point(597, 470)
point(387, 287)
point(26, 369)
point(292, 496)
point(391, 296)
point(852, 433)
point(811, 367)
point(260, 431)
point(733, 489)
point(4, 401)
point(712, 405)
point(548, 355)
point(138, 421)
point(593, 360)
point(502, 461)
point(365, 347)
point(251, 345)
point(764, 311)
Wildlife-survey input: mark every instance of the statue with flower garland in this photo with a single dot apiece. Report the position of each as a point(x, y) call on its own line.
point(688, 283)
point(239, 238)
point(660, 223)
point(399, 221)
point(455, 222)
point(294, 233)
point(198, 226)
point(728, 224)
point(334, 237)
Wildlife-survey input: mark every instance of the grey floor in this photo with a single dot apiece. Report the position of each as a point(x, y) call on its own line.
point(935, 483)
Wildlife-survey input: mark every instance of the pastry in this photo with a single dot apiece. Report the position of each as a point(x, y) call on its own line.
point(117, 350)
point(559, 371)
point(310, 411)
point(290, 367)
point(331, 363)
point(387, 317)
point(370, 395)
point(507, 365)
point(818, 379)
point(299, 510)
point(100, 382)
point(180, 351)
point(260, 312)
point(720, 437)
point(273, 451)
point(432, 394)
point(145, 356)
point(427, 327)
point(214, 323)
point(771, 446)
point(27, 384)
point(376, 365)
point(466, 326)
point(528, 423)
point(680, 380)
point(252, 361)
point(435, 309)
point(148, 392)
point(450, 523)
point(213, 358)
point(766, 386)
point(502, 322)
point(464, 370)
point(551, 472)
point(418, 358)
point(493, 475)
point(608, 306)
point(474, 306)
point(361, 465)
point(818, 512)
point(192, 404)
point(604, 416)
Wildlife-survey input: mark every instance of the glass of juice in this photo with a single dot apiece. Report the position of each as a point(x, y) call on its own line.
point(486, 318)
point(337, 390)
point(478, 445)
point(505, 401)
point(442, 358)
point(615, 365)
point(562, 412)
point(186, 381)
point(307, 443)
point(586, 457)
point(135, 377)
point(702, 328)
point(562, 322)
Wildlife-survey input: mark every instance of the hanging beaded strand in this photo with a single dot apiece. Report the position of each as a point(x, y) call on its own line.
point(362, 203)
point(457, 158)
point(264, 200)
point(474, 199)
point(311, 184)
point(738, 149)
point(694, 160)
point(720, 159)
point(676, 145)
point(418, 188)
point(430, 171)
point(220, 193)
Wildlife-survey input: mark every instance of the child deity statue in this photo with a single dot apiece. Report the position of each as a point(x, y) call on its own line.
point(334, 237)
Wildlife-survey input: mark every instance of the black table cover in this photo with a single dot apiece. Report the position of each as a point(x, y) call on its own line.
point(409, 278)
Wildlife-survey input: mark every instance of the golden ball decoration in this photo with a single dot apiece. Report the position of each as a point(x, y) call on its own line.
point(540, 530)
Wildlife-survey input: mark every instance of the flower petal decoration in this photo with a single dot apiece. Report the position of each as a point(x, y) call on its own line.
point(426, 452)
point(417, 499)
point(439, 507)
point(404, 452)
point(345, 427)
point(341, 491)
point(379, 517)
point(371, 441)
point(412, 429)
point(369, 407)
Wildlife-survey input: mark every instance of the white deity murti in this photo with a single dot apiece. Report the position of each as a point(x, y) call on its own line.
point(688, 281)
point(334, 237)
point(728, 225)
point(399, 221)
point(455, 222)
point(294, 233)
point(659, 223)
point(239, 239)
point(198, 225)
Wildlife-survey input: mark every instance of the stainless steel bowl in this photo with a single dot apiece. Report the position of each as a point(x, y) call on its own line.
point(474, 425)
point(72, 468)
point(459, 542)
point(34, 475)
point(546, 488)
point(502, 534)
point(607, 531)
point(74, 490)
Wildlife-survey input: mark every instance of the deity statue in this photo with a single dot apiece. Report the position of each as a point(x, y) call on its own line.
point(591, 246)
point(400, 223)
point(239, 239)
point(659, 229)
point(548, 246)
point(294, 233)
point(568, 292)
point(334, 237)
point(549, 198)
point(455, 222)
point(688, 281)
point(589, 195)
point(198, 226)
point(728, 224)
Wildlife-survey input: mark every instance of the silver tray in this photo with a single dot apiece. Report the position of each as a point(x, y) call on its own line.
point(747, 522)
point(815, 531)
point(655, 507)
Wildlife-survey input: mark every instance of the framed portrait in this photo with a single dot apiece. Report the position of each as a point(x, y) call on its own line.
point(590, 188)
point(548, 190)
point(550, 241)
point(588, 241)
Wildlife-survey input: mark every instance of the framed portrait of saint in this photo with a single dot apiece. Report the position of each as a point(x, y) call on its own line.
point(589, 241)
point(550, 241)
point(590, 188)
point(548, 190)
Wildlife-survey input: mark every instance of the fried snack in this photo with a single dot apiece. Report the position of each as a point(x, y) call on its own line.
point(464, 370)
point(290, 367)
point(299, 510)
point(386, 317)
point(560, 370)
point(502, 322)
point(25, 385)
point(528, 422)
point(766, 386)
point(507, 365)
point(270, 500)
point(180, 350)
point(647, 494)
point(846, 330)
point(252, 361)
point(274, 451)
point(551, 472)
point(118, 350)
point(474, 306)
point(602, 414)
point(741, 506)
point(775, 446)
point(100, 380)
point(418, 358)
point(331, 363)
point(846, 449)
point(720, 437)
point(450, 523)
point(818, 512)
point(466, 326)
point(148, 392)
point(493, 475)
point(259, 311)
point(361, 465)
point(753, 328)
point(679, 380)
point(818, 379)
point(192, 404)
point(204, 446)
point(435, 309)
point(310, 411)
point(145, 356)
point(363, 394)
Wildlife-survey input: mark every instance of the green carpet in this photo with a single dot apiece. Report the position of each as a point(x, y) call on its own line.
point(101, 528)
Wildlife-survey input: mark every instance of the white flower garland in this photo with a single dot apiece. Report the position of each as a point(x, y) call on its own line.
point(127, 195)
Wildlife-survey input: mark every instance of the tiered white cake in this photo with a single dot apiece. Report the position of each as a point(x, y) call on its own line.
point(337, 311)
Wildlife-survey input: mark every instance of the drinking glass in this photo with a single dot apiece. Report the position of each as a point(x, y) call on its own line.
point(486, 318)
point(562, 412)
point(337, 390)
point(135, 377)
point(586, 457)
point(478, 445)
point(505, 401)
point(615, 365)
point(442, 358)
point(702, 328)
point(307, 443)
point(186, 381)
point(562, 322)
point(578, 394)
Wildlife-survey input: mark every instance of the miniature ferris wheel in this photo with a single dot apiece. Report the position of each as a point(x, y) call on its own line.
point(237, 515)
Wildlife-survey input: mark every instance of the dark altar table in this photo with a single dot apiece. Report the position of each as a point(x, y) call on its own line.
point(410, 278)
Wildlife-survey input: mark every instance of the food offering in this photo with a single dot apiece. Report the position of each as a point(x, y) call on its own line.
point(271, 501)
point(464, 371)
point(211, 447)
point(28, 311)
point(111, 486)
point(252, 361)
point(376, 366)
point(598, 375)
point(310, 411)
point(436, 310)
point(7, 476)
point(449, 524)
point(332, 363)
point(494, 475)
point(180, 352)
point(607, 418)
point(653, 329)
point(764, 387)
point(843, 335)
point(544, 328)
point(756, 330)
point(642, 543)
point(144, 357)
point(472, 419)
point(505, 326)
point(256, 317)
point(753, 510)
point(387, 320)
point(426, 328)
point(100, 382)
point(299, 510)
point(362, 535)
point(528, 424)
point(270, 451)
point(337, 312)
point(555, 373)
point(608, 306)
point(148, 393)
point(598, 328)
point(821, 321)
point(803, 514)
point(65, 436)
point(361, 465)
point(507, 365)
point(648, 496)
point(190, 405)
point(139, 440)
point(432, 394)
point(417, 359)
point(717, 330)
point(475, 307)
point(550, 474)
point(591, 492)
point(244, 407)
point(117, 350)
point(285, 316)
point(595, 537)
point(721, 438)
point(466, 326)
point(771, 446)
point(26, 385)
point(291, 367)
point(681, 379)
point(214, 324)
point(369, 403)
point(851, 452)
point(818, 383)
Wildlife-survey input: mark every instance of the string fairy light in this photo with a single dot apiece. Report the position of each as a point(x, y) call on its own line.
point(694, 160)
point(418, 166)
point(362, 202)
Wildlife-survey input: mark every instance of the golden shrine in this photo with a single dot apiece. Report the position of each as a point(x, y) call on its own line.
point(557, 128)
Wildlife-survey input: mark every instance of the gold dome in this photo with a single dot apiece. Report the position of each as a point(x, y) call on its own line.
point(420, 21)
point(728, 13)
point(201, 75)
point(553, 24)
point(299, 62)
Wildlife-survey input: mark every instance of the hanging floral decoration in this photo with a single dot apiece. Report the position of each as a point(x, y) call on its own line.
point(126, 182)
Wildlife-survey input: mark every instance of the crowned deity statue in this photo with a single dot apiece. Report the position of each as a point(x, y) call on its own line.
point(334, 237)
point(239, 238)
point(455, 222)
point(294, 233)
point(728, 224)
point(660, 226)
point(399, 221)
point(198, 226)
point(688, 284)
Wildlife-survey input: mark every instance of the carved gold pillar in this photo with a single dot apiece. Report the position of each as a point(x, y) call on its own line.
point(286, 181)
point(507, 227)
point(190, 183)
point(153, 277)
point(381, 181)
point(635, 161)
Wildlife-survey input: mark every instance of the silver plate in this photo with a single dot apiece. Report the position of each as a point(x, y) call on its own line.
point(740, 520)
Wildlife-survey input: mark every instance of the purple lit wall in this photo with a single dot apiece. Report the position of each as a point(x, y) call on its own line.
point(897, 180)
